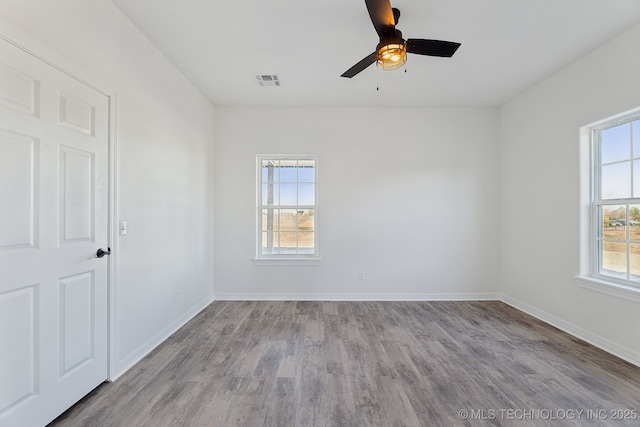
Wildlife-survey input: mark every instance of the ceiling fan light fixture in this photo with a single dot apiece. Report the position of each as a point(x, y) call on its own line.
point(392, 56)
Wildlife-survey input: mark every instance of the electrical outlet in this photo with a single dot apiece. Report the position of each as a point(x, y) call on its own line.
point(360, 275)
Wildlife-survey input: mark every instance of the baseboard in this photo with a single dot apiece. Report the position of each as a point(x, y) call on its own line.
point(482, 296)
point(146, 348)
point(601, 342)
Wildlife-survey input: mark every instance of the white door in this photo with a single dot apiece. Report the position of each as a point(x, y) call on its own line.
point(53, 218)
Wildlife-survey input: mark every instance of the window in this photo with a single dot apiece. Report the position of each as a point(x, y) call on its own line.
point(616, 201)
point(287, 207)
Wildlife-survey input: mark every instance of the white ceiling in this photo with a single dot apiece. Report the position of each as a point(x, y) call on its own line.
point(507, 46)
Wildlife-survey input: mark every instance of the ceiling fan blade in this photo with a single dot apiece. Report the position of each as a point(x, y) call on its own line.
point(360, 66)
point(381, 15)
point(432, 47)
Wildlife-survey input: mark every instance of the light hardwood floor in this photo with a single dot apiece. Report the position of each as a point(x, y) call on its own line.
point(366, 364)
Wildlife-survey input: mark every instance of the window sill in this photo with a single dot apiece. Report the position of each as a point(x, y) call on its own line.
point(298, 262)
point(606, 287)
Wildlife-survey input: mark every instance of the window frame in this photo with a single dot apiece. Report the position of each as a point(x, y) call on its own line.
point(286, 258)
point(597, 203)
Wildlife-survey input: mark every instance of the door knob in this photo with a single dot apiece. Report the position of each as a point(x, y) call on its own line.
point(101, 252)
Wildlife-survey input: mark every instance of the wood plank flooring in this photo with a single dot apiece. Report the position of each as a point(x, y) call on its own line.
point(366, 364)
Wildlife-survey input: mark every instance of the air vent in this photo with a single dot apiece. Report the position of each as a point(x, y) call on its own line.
point(268, 80)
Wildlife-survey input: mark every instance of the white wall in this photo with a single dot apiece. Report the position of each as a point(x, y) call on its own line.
point(415, 208)
point(539, 194)
point(164, 160)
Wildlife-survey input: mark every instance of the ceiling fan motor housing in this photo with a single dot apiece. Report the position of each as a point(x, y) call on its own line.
point(391, 51)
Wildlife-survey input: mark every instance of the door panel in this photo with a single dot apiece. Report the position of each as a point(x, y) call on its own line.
point(53, 218)
point(76, 115)
point(18, 308)
point(18, 90)
point(76, 195)
point(17, 184)
point(76, 319)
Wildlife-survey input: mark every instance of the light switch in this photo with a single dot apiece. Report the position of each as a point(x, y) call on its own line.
point(123, 228)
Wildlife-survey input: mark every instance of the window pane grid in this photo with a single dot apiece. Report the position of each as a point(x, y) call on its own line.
point(292, 231)
point(617, 206)
point(286, 208)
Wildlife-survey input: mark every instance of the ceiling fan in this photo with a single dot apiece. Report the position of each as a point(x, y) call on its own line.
point(391, 52)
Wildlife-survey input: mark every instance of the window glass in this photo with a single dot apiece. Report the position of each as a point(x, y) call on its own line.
point(307, 171)
point(614, 259)
point(288, 194)
point(616, 144)
point(288, 174)
point(306, 194)
point(616, 181)
point(634, 261)
point(635, 136)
